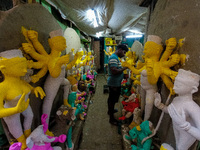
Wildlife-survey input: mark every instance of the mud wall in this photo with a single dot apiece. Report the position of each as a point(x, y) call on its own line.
point(35, 17)
point(179, 19)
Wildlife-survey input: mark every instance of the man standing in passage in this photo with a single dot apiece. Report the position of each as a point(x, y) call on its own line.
point(115, 72)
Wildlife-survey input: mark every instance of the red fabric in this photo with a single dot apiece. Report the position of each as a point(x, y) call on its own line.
point(130, 106)
point(122, 118)
point(124, 81)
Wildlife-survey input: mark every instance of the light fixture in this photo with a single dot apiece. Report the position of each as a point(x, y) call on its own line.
point(134, 36)
point(92, 17)
point(99, 34)
point(136, 31)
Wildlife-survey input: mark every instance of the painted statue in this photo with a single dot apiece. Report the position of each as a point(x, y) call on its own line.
point(140, 132)
point(53, 62)
point(129, 106)
point(72, 98)
point(183, 110)
point(38, 140)
point(137, 118)
point(15, 93)
point(157, 65)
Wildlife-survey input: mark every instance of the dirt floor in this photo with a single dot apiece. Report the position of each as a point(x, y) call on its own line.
point(98, 133)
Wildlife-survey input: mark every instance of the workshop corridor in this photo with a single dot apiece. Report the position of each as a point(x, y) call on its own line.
point(98, 133)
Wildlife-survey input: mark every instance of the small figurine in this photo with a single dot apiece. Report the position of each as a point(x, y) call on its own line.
point(125, 89)
point(81, 99)
point(140, 132)
point(137, 119)
point(72, 98)
point(95, 74)
point(183, 110)
point(38, 140)
point(78, 96)
point(89, 82)
point(166, 146)
point(129, 106)
point(82, 86)
point(65, 113)
point(109, 51)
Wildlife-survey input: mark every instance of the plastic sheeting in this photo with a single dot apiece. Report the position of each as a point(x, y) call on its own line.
point(117, 15)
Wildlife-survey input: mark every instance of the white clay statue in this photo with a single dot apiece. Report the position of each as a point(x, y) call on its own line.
point(183, 110)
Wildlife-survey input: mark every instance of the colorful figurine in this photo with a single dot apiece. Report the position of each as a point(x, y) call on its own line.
point(72, 98)
point(64, 114)
point(125, 89)
point(64, 120)
point(129, 106)
point(15, 93)
point(137, 119)
point(140, 132)
point(109, 51)
point(38, 140)
point(183, 110)
point(90, 60)
point(73, 101)
point(166, 146)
